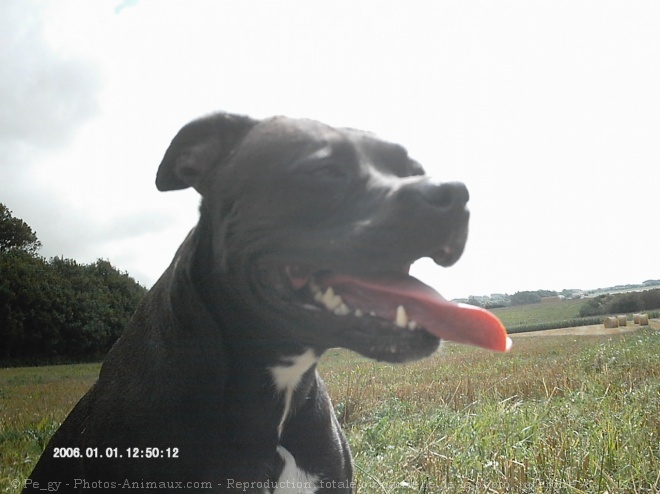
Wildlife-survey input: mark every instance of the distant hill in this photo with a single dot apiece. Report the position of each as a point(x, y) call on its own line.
point(496, 300)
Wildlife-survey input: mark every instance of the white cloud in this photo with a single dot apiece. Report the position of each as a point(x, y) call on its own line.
point(548, 111)
point(45, 94)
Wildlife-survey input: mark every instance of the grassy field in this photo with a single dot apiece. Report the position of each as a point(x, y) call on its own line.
point(520, 315)
point(556, 415)
point(550, 315)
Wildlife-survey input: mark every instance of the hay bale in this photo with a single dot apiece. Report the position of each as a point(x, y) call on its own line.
point(611, 322)
point(636, 318)
point(623, 320)
point(644, 319)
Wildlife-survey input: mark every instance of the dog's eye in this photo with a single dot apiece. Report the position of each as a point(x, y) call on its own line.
point(321, 172)
point(328, 169)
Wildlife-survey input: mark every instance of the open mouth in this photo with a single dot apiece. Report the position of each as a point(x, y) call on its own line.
point(407, 303)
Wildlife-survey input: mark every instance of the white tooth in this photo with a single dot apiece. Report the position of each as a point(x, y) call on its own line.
point(330, 300)
point(401, 317)
point(337, 302)
point(358, 313)
point(412, 325)
point(372, 314)
point(342, 310)
point(327, 297)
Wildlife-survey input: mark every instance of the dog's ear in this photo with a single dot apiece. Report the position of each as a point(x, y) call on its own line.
point(198, 147)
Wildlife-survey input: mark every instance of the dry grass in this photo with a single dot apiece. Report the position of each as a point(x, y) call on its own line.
point(560, 414)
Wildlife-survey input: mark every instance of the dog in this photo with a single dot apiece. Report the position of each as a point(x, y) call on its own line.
point(304, 242)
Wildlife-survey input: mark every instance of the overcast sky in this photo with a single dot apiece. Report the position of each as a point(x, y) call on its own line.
point(549, 111)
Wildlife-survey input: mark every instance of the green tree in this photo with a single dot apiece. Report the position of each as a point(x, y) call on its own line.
point(621, 303)
point(626, 302)
point(31, 306)
point(650, 299)
point(16, 233)
point(595, 306)
point(58, 308)
point(526, 297)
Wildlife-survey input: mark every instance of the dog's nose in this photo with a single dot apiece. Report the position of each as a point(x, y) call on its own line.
point(445, 196)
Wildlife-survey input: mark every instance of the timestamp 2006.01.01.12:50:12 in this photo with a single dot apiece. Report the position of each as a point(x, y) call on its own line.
point(116, 453)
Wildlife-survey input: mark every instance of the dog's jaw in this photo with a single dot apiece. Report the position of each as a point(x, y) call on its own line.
point(395, 310)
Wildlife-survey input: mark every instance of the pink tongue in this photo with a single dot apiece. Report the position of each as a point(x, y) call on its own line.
point(446, 320)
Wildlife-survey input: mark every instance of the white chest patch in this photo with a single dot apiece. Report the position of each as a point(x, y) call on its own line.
point(287, 377)
point(293, 480)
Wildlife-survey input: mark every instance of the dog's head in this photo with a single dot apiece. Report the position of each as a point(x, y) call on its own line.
point(314, 230)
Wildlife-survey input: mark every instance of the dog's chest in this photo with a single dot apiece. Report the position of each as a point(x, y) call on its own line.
point(294, 480)
point(286, 377)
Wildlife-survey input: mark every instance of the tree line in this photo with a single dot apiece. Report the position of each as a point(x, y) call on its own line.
point(633, 301)
point(57, 309)
point(621, 303)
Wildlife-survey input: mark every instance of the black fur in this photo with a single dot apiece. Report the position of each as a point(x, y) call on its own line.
point(193, 369)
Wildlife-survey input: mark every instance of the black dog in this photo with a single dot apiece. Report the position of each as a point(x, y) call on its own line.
point(304, 242)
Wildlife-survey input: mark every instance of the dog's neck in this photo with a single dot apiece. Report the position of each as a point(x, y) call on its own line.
point(266, 379)
point(261, 399)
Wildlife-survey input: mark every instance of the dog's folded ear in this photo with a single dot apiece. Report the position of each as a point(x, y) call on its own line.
point(198, 147)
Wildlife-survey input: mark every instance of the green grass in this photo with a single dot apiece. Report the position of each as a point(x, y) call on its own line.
point(549, 315)
point(556, 415)
point(33, 402)
point(544, 312)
